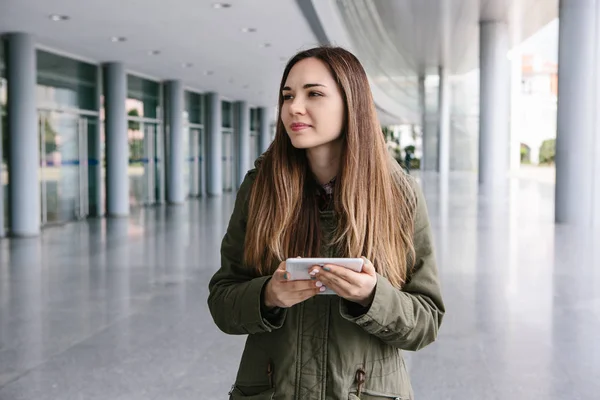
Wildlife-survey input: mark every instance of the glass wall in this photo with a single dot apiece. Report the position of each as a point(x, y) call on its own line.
point(4, 218)
point(194, 173)
point(227, 143)
point(146, 144)
point(66, 83)
point(67, 95)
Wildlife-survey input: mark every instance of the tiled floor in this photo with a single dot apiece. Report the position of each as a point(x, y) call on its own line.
point(116, 309)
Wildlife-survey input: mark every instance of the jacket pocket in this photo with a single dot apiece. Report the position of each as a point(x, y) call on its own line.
point(367, 394)
point(237, 394)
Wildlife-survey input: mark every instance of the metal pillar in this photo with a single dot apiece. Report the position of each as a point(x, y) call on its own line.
point(444, 124)
point(424, 130)
point(264, 138)
point(241, 129)
point(577, 109)
point(95, 158)
point(214, 148)
point(494, 114)
point(176, 159)
point(117, 146)
point(24, 148)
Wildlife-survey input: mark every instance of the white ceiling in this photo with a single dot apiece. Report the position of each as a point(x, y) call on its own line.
point(185, 31)
point(397, 40)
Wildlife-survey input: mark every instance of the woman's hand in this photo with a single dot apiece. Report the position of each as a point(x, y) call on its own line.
point(358, 287)
point(283, 293)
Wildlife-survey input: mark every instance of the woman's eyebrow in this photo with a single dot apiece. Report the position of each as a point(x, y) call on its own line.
point(307, 86)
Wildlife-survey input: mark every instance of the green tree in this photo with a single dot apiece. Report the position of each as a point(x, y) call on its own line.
point(548, 151)
point(525, 154)
point(388, 133)
point(133, 125)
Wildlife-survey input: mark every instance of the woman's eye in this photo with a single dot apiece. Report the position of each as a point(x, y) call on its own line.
point(315, 94)
point(287, 97)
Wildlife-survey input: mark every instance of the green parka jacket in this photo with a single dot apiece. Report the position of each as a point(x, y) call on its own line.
point(326, 347)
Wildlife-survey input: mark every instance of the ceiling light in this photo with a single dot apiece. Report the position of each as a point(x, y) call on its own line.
point(58, 17)
point(221, 5)
point(154, 52)
point(118, 39)
point(248, 30)
point(187, 65)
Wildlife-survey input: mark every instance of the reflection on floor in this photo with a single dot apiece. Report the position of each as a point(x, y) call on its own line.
point(116, 309)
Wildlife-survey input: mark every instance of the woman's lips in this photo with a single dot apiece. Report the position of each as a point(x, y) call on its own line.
point(297, 127)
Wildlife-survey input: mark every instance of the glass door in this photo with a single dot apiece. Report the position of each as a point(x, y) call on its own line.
point(149, 165)
point(136, 163)
point(156, 187)
point(63, 167)
point(194, 160)
point(146, 174)
point(227, 158)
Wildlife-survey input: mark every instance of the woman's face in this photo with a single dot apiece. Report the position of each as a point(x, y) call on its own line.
point(313, 107)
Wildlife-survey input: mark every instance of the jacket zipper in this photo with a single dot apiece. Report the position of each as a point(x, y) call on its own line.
point(361, 377)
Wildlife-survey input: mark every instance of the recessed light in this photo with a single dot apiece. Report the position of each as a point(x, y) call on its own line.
point(221, 5)
point(187, 65)
point(248, 30)
point(58, 17)
point(118, 39)
point(154, 52)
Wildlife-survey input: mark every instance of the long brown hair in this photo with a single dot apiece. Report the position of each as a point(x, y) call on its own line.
point(373, 199)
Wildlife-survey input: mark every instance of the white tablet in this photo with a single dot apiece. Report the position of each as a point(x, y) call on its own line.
point(299, 268)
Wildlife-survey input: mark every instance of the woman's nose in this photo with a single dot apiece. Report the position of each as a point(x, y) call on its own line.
point(297, 107)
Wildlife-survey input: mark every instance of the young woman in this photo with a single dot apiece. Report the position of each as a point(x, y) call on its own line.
point(327, 187)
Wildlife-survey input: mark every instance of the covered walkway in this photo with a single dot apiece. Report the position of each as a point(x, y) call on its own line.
point(116, 308)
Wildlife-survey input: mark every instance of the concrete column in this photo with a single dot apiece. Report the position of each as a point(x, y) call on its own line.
point(95, 157)
point(596, 134)
point(516, 92)
point(214, 148)
point(24, 148)
point(424, 131)
point(117, 146)
point(444, 124)
point(2, 150)
point(241, 130)
point(577, 109)
point(430, 157)
point(203, 188)
point(176, 159)
point(264, 136)
point(494, 107)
